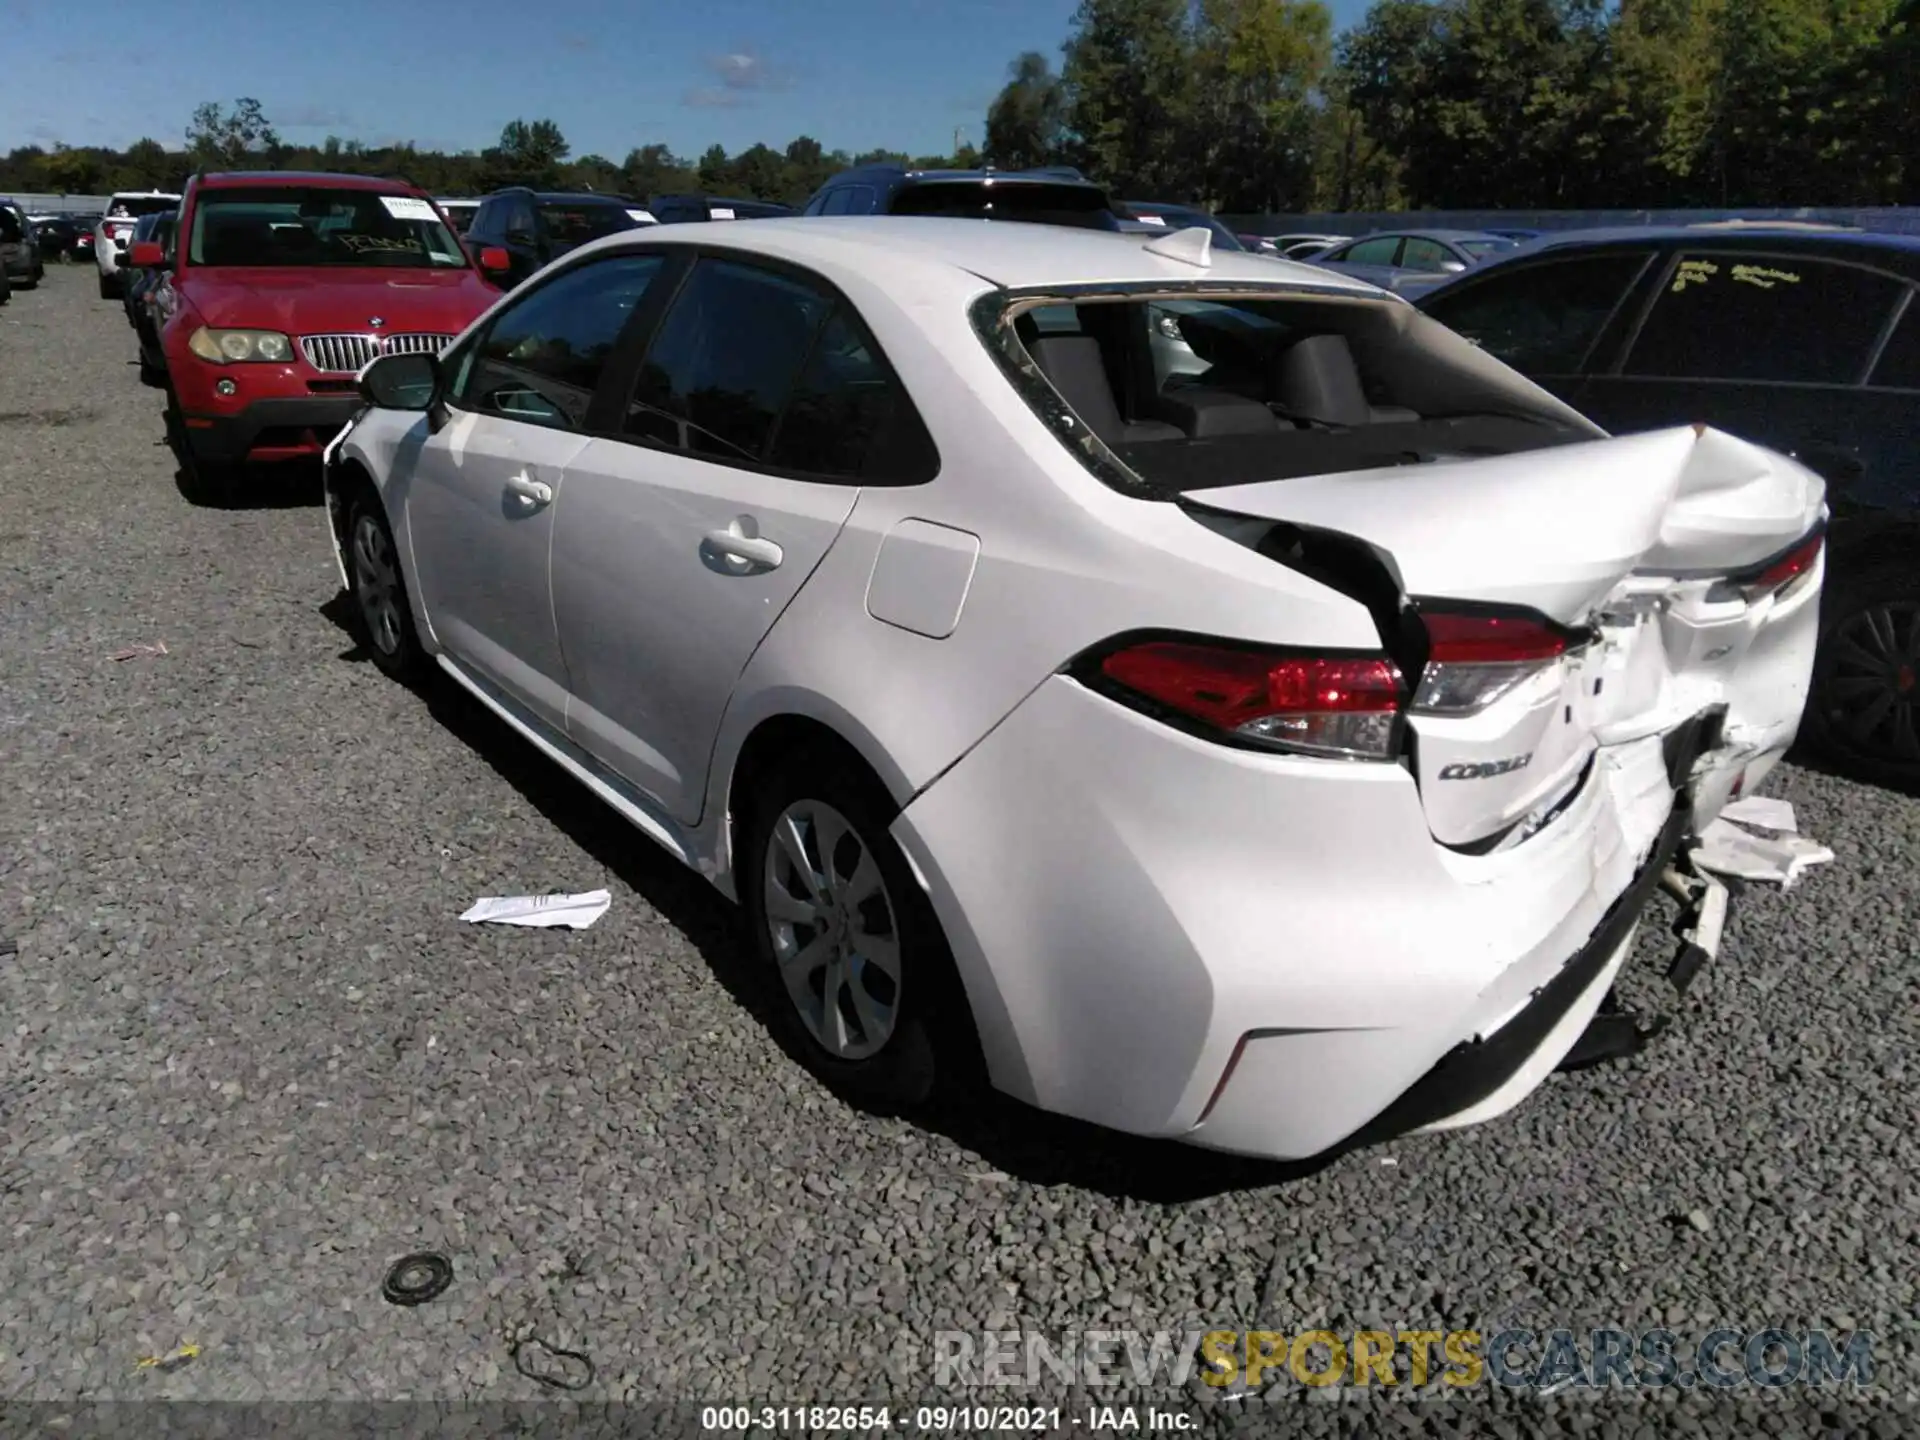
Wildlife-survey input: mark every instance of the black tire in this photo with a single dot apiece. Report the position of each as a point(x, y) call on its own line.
point(381, 605)
point(1864, 711)
point(150, 373)
point(107, 290)
point(210, 483)
point(930, 1049)
point(32, 280)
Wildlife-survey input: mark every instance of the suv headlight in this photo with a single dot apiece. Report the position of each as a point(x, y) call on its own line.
point(233, 347)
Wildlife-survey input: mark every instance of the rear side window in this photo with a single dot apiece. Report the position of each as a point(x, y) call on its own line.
point(1541, 319)
point(9, 228)
point(724, 361)
point(1899, 364)
point(577, 224)
point(1427, 255)
point(840, 406)
point(1763, 317)
point(540, 360)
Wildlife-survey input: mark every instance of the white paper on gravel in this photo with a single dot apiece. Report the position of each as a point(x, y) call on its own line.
point(576, 912)
point(1724, 848)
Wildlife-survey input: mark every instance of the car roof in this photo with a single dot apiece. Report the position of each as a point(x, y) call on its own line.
point(309, 179)
point(579, 197)
point(1025, 177)
point(142, 195)
point(1902, 251)
point(1432, 235)
point(1714, 233)
point(1009, 253)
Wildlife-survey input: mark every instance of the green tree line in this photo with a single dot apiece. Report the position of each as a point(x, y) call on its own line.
point(1255, 106)
point(529, 152)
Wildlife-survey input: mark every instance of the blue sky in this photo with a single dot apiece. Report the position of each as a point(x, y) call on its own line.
point(854, 74)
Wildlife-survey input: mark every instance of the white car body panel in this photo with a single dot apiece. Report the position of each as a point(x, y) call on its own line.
point(1135, 911)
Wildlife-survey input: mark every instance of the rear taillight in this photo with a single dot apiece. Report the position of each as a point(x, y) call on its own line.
point(1780, 577)
point(1343, 706)
point(1476, 658)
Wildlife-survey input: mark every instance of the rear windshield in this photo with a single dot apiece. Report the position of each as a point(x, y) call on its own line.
point(1079, 205)
point(1191, 393)
point(308, 226)
point(576, 224)
point(132, 207)
point(1186, 220)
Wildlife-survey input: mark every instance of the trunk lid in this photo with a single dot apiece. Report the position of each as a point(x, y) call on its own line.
point(1623, 549)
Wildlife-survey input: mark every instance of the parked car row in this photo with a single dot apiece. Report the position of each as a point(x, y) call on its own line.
point(20, 261)
point(1795, 339)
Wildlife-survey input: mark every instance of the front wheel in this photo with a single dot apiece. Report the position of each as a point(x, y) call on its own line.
point(850, 939)
point(1864, 711)
point(380, 592)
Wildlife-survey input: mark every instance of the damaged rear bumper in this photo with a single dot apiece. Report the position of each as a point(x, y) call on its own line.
point(1270, 956)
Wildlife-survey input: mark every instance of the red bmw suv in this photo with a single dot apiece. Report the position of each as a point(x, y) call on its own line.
point(280, 288)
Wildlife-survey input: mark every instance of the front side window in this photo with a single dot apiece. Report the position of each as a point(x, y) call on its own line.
point(541, 358)
point(724, 361)
point(1541, 319)
point(1747, 316)
point(317, 226)
point(1371, 252)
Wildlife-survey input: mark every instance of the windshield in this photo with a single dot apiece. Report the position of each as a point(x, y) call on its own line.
point(576, 224)
point(131, 207)
point(1081, 205)
point(1480, 249)
point(305, 226)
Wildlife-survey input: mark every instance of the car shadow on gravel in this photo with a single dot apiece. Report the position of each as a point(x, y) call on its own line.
point(1019, 1141)
point(285, 485)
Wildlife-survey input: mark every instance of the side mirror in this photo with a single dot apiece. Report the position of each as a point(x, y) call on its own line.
point(402, 382)
point(495, 260)
point(146, 255)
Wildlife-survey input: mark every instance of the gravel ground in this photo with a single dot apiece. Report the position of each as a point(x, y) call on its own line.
point(250, 1058)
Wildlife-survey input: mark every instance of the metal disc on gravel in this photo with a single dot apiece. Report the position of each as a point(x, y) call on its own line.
point(416, 1279)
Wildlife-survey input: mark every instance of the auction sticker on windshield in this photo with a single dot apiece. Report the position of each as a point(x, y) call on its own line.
point(407, 207)
point(720, 214)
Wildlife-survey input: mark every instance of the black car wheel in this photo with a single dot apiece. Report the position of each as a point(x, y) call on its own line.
point(1864, 712)
point(379, 590)
point(107, 291)
point(864, 978)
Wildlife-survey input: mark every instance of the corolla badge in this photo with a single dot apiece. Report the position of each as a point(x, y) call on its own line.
point(1488, 769)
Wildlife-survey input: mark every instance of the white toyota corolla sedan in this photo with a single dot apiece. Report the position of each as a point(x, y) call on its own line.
point(1198, 692)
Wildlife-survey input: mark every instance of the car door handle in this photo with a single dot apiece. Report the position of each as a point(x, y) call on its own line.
point(736, 543)
point(533, 491)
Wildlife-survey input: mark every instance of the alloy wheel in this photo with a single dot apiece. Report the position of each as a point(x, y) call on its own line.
point(1873, 681)
point(835, 929)
point(376, 583)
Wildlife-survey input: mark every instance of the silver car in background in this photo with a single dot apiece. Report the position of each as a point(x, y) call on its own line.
point(1413, 260)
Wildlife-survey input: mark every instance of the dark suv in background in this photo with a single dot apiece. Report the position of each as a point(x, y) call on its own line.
point(683, 209)
point(537, 226)
point(1051, 197)
point(1801, 340)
